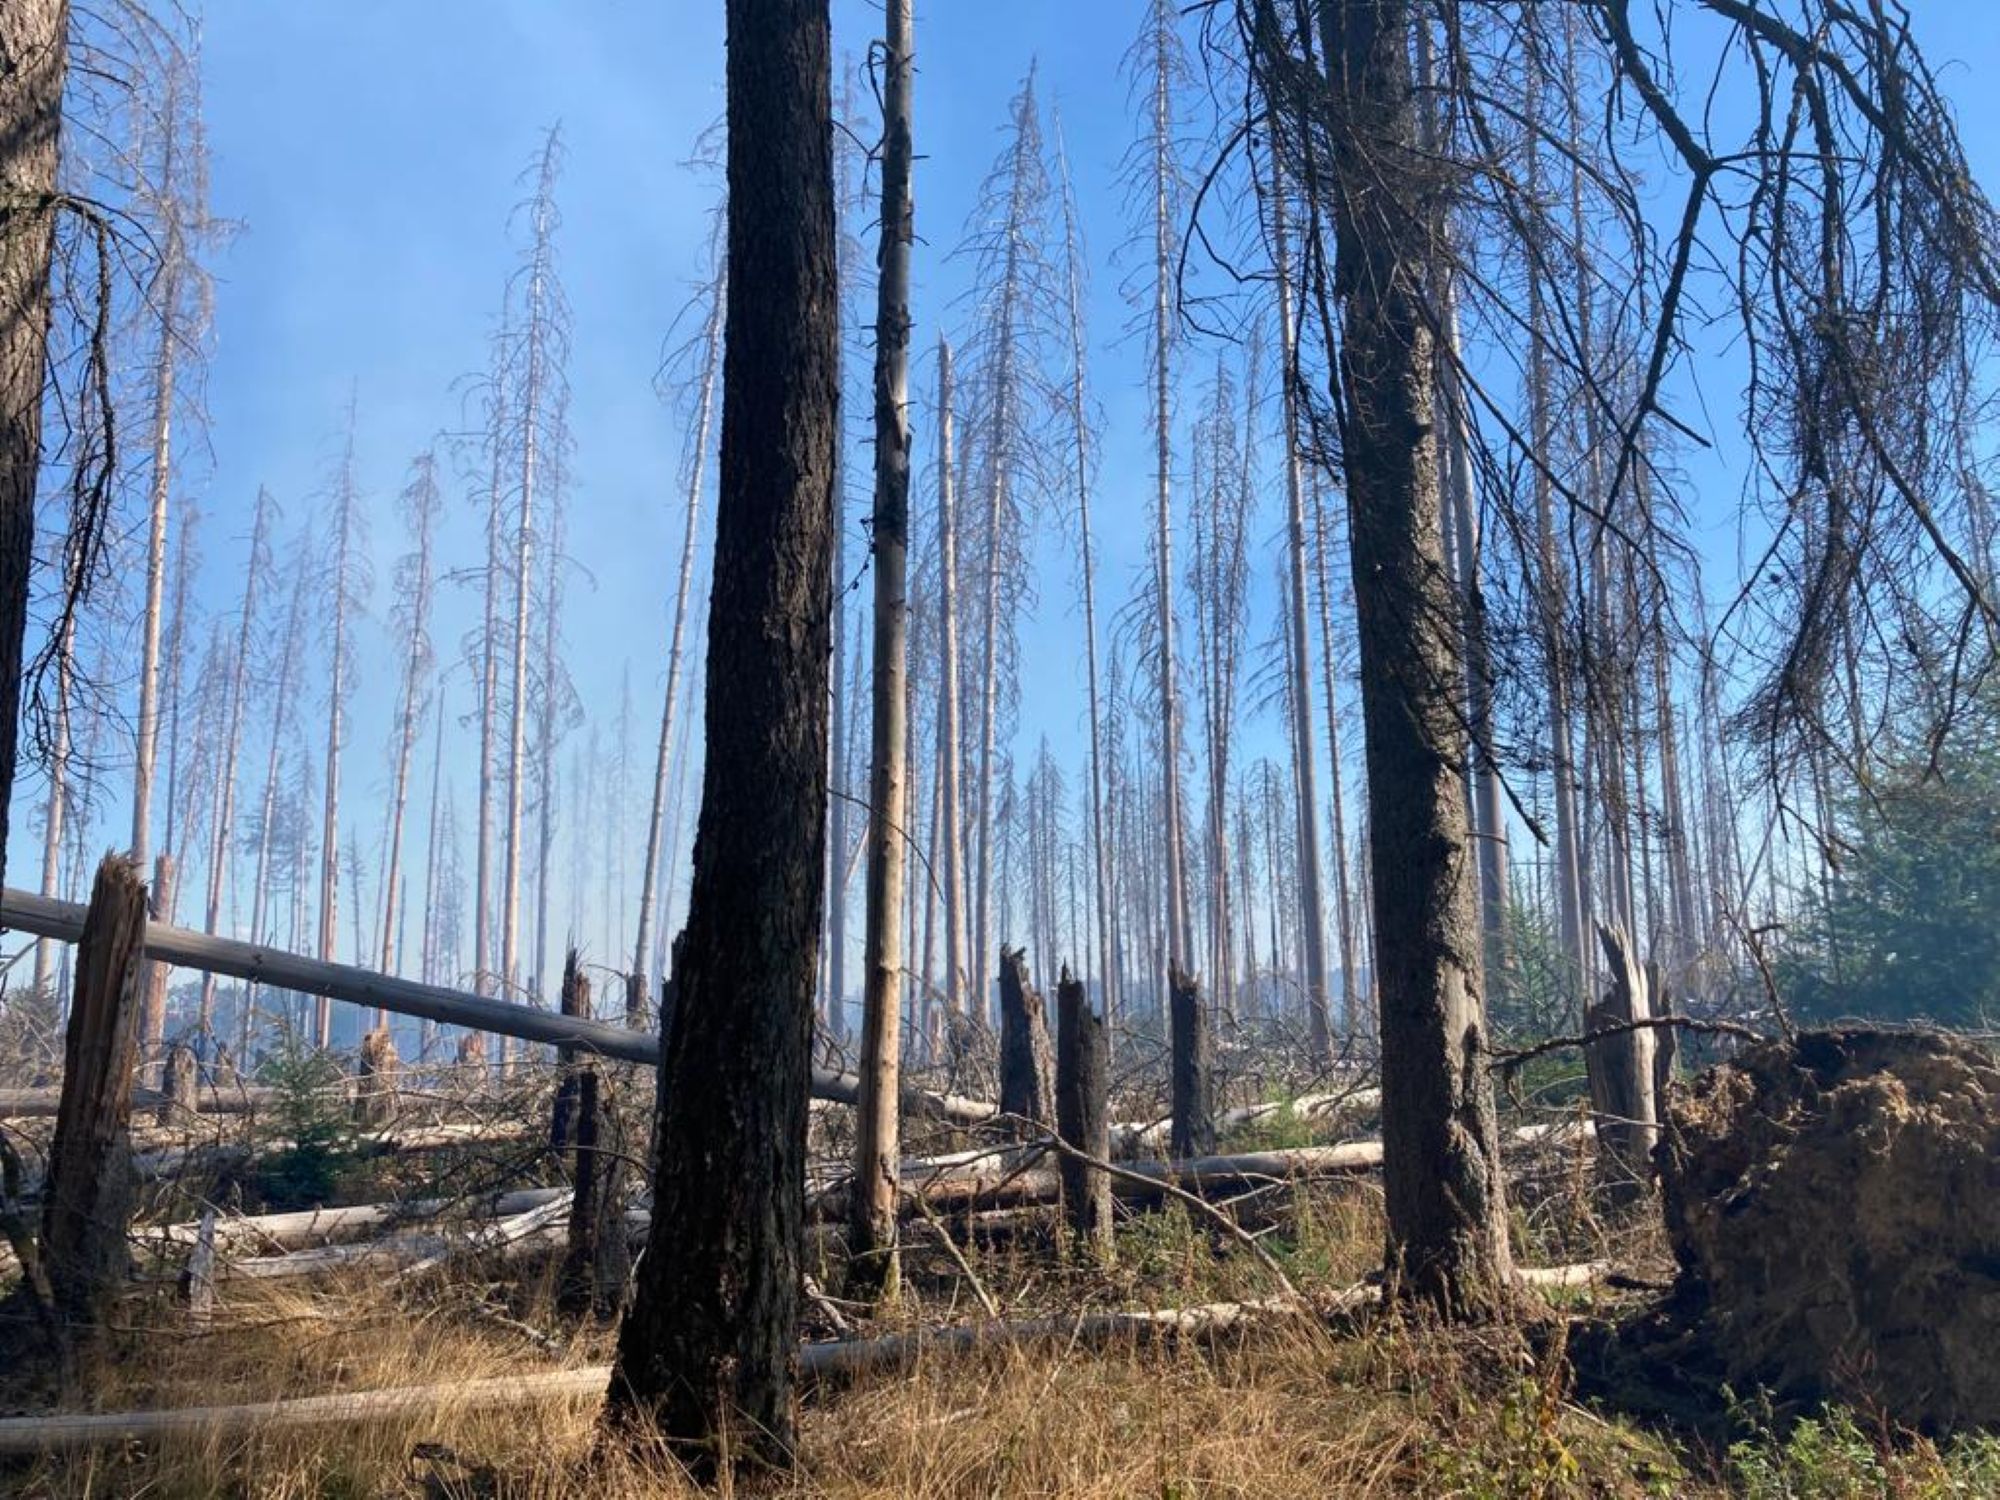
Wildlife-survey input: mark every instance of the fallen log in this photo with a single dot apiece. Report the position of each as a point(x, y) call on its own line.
point(307, 1228)
point(43, 916)
point(59, 1430)
point(1134, 1138)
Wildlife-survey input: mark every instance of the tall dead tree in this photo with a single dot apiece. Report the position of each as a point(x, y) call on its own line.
point(1312, 908)
point(416, 583)
point(949, 746)
point(706, 1355)
point(535, 430)
point(1159, 55)
point(1014, 312)
point(346, 575)
point(221, 842)
point(641, 977)
point(1080, 417)
point(877, 1148)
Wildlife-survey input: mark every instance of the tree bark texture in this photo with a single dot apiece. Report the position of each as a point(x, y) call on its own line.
point(1191, 1131)
point(33, 56)
point(706, 1356)
point(1027, 1063)
point(1083, 1115)
point(87, 1200)
point(1447, 1240)
point(877, 1143)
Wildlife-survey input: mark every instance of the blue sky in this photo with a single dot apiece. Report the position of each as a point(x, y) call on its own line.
point(372, 151)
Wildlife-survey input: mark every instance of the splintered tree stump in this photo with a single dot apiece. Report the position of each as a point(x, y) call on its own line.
point(596, 1225)
point(375, 1080)
point(575, 1002)
point(472, 1049)
point(1192, 1105)
point(180, 1087)
point(87, 1200)
point(1083, 1115)
point(1830, 1202)
point(1623, 1068)
point(1027, 1063)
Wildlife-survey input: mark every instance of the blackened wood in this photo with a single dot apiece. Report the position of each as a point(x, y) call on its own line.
point(1083, 1114)
point(1192, 1105)
point(706, 1356)
point(1027, 1062)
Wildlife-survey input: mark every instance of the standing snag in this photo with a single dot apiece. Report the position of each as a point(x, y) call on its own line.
point(706, 1355)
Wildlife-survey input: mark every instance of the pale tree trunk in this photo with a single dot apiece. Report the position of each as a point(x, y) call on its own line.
point(948, 743)
point(1312, 909)
point(489, 672)
point(706, 1356)
point(877, 1150)
point(1551, 592)
point(1179, 934)
point(656, 823)
point(422, 505)
point(549, 726)
point(533, 391)
point(52, 822)
point(221, 835)
point(290, 645)
point(329, 853)
point(1445, 1196)
point(164, 294)
point(1336, 783)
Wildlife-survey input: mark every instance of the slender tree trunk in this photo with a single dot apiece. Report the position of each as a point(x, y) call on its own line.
point(656, 821)
point(877, 1150)
point(329, 886)
point(1312, 910)
point(1447, 1221)
point(52, 822)
point(706, 1356)
point(422, 504)
point(221, 837)
point(1180, 938)
point(489, 672)
point(948, 748)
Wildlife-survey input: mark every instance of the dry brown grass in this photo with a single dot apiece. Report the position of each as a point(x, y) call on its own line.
point(1293, 1410)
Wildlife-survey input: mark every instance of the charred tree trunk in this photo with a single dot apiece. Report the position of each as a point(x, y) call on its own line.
point(34, 46)
point(87, 1201)
point(575, 1002)
point(1027, 1066)
point(1083, 1115)
point(706, 1356)
point(1192, 1128)
point(1447, 1227)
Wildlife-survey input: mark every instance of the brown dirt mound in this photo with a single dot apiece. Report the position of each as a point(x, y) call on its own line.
point(1834, 1204)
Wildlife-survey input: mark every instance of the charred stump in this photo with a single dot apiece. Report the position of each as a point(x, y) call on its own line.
point(1192, 1128)
point(1027, 1064)
point(1083, 1115)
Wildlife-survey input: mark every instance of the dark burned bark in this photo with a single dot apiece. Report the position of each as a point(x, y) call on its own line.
point(33, 54)
point(1027, 1064)
point(706, 1356)
point(87, 1201)
point(1083, 1115)
point(575, 1002)
point(1446, 1211)
point(1191, 1129)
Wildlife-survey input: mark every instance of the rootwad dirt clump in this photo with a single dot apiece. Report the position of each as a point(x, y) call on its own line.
point(1834, 1205)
